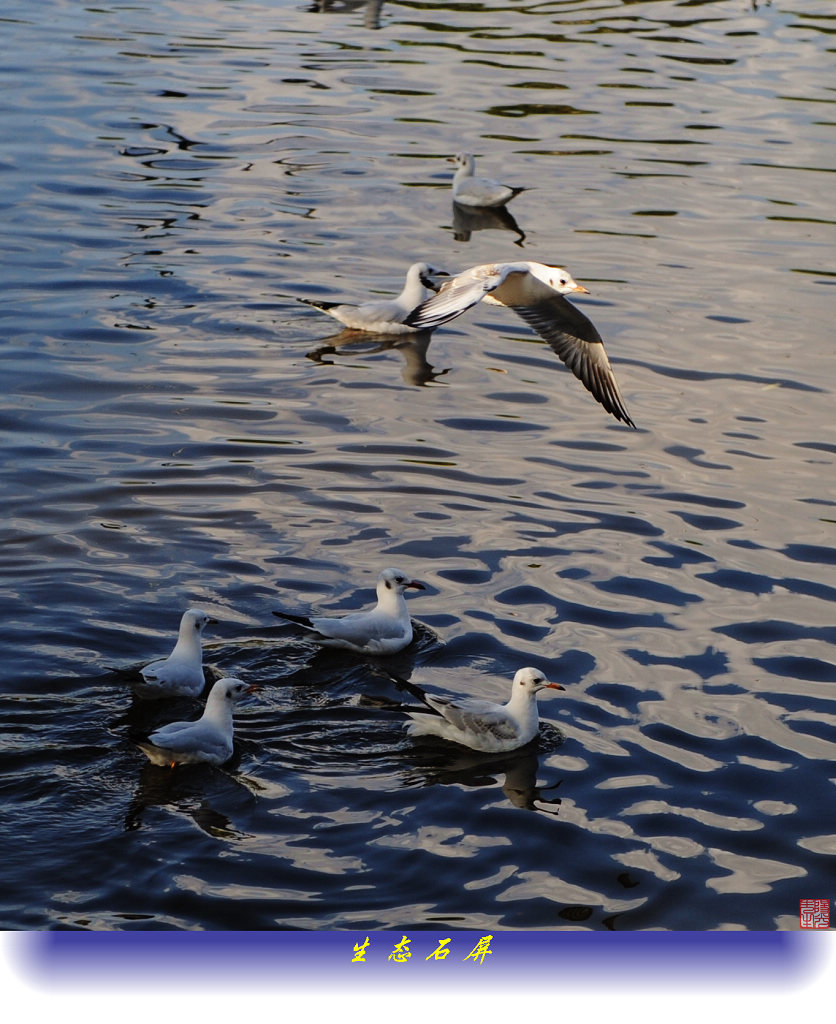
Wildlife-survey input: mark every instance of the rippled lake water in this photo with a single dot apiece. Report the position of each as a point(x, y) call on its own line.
point(178, 430)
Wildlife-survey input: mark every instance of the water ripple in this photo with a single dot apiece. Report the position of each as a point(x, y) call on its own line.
point(178, 430)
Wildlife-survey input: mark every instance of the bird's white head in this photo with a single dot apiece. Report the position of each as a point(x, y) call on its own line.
point(463, 160)
point(556, 277)
point(231, 689)
point(195, 620)
point(530, 680)
point(396, 580)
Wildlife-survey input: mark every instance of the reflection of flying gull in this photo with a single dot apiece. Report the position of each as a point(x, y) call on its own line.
point(181, 673)
point(472, 191)
point(482, 724)
point(386, 629)
point(384, 316)
point(535, 292)
point(208, 739)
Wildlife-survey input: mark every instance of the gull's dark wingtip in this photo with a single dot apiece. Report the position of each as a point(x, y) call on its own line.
point(404, 684)
point(624, 417)
point(604, 387)
point(415, 319)
point(300, 620)
point(317, 304)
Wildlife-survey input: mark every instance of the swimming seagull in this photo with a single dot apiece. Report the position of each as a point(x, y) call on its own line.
point(535, 292)
point(469, 190)
point(386, 629)
point(385, 316)
point(482, 724)
point(208, 739)
point(181, 673)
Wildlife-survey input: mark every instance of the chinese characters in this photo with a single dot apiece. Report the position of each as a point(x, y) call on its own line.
point(402, 952)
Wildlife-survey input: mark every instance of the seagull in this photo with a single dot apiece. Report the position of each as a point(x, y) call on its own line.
point(181, 673)
point(535, 292)
point(386, 629)
point(471, 191)
point(208, 739)
point(385, 316)
point(482, 724)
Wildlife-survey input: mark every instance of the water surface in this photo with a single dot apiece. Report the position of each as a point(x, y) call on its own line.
point(178, 430)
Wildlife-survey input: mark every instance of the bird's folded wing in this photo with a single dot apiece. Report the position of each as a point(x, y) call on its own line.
point(576, 341)
point(482, 191)
point(374, 312)
point(473, 715)
point(356, 627)
point(183, 736)
point(206, 747)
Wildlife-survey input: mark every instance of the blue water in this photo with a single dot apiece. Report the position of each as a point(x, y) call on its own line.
point(177, 430)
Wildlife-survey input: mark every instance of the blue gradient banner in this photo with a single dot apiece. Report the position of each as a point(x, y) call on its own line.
point(404, 958)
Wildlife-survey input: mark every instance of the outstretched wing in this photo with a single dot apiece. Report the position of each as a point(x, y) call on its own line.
point(453, 298)
point(576, 341)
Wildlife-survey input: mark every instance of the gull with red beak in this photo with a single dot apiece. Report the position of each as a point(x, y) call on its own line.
point(209, 739)
point(535, 291)
point(385, 629)
point(482, 724)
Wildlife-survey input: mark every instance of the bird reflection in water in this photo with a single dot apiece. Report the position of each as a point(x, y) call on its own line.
point(438, 762)
point(472, 769)
point(371, 19)
point(412, 348)
point(191, 791)
point(467, 219)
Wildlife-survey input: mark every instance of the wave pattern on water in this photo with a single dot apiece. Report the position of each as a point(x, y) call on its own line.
point(178, 430)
